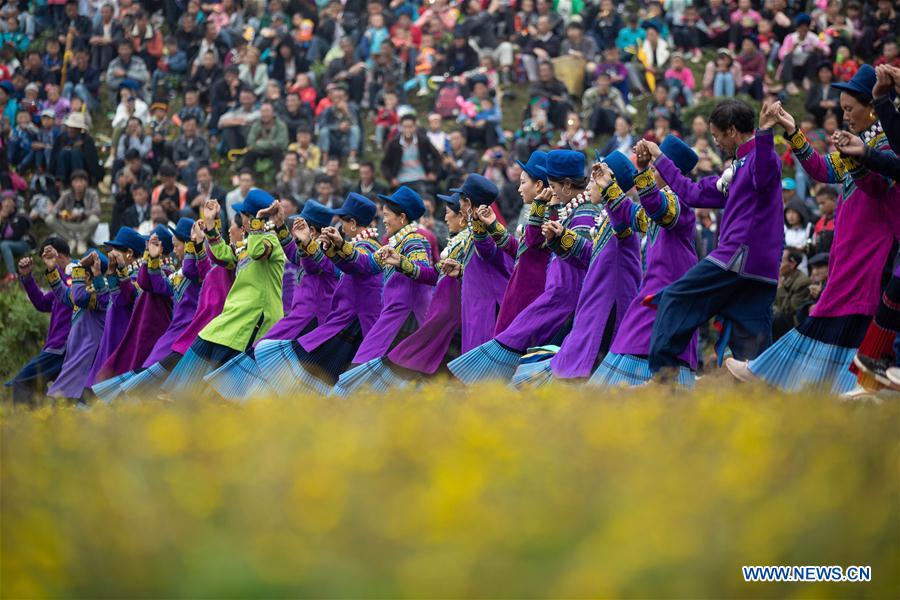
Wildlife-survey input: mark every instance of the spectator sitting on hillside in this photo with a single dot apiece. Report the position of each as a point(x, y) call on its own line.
point(15, 233)
point(410, 159)
point(77, 213)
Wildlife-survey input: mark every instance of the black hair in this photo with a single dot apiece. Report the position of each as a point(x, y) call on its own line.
point(577, 182)
point(58, 244)
point(733, 113)
point(795, 257)
point(396, 209)
point(245, 171)
point(367, 163)
point(408, 117)
point(826, 191)
point(79, 174)
point(862, 98)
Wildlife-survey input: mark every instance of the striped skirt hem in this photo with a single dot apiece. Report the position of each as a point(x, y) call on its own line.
point(488, 361)
point(627, 370)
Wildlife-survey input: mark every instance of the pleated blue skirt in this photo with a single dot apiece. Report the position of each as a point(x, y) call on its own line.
point(626, 370)
point(237, 380)
point(144, 384)
point(201, 359)
point(109, 389)
point(279, 363)
point(375, 375)
point(816, 354)
point(488, 361)
point(533, 373)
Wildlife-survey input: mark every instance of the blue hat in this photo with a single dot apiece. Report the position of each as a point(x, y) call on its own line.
point(128, 238)
point(104, 262)
point(130, 84)
point(679, 153)
point(536, 167)
point(788, 183)
point(861, 83)
point(802, 19)
point(165, 237)
point(408, 200)
point(452, 201)
point(622, 168)
point(356, 207)
point(255, 201)
point(7, 85)
point(651, 24)
point(479, 189)
point(316, 214)
point(565, 163)
point(183, 229)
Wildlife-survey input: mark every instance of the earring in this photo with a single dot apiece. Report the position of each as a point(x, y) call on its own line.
point(872, 114)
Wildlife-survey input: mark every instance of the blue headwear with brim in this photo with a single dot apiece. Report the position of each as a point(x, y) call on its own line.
point(165, 237)
point(623, 169)
point(357, 207)
point(562, 164)
point(316, 214)
point(861, 83)
point(255, 201)
point(183, 229)
point(128, 239)
point(451, 201)
point(536, 167)
point(679, 153)
point(478, 189)
point(408, 200)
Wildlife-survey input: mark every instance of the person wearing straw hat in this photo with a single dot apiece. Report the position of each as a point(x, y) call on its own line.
point(117, 292)
point(150, 318)
point(310, 302)
point(670, 254)
point(544, 320)
point(613, 259)
point(73, 150)
point(425, 353)
point(253, 304)
point(820, 351)
point(87, 319)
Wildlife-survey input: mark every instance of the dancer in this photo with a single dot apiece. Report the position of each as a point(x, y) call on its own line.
point(669, 255)
point(322, 354)
point(820, 351)
point(567, 202)
point(118, 292)
point(47, 364)
point(613, 261)
point(426, 351)
point(488, 270)
point(253, 304)
point(239, 379)
point(737, 281)
point(529, 274)
point(87, 319)
point(149, 320)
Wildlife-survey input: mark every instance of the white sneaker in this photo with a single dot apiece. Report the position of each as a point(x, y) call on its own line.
point(893, 375)
point(739, 369)
point(423, 91)
point(860, 393)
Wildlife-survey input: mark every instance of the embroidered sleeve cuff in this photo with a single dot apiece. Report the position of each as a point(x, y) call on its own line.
point(613, 195)
point(310, 249)
point(213, 235)
point(53, 276)
point(645, 182)
point(479, 229)
point(257, 226)
point(284, 236)
point(154, 264)
point(564, 244)
point(78, 274)
point(408, 267)
point(797, 140)
point(99, 283)
point(345, 251)
point(538, 213)
point(122, 273)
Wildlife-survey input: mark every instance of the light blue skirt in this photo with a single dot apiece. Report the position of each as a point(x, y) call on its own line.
point(796, 361)
point(188, 373)
point(486, 362)
point(374, 375)
point(237, 380)
point(626, 370)
point(109, 389)
point(278, 364)
point(533, 373)
point(144, 384)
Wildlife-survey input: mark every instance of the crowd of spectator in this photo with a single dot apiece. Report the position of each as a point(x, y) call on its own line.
point(153, 107)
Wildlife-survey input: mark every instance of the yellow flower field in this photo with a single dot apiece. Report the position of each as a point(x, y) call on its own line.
point(555, 492)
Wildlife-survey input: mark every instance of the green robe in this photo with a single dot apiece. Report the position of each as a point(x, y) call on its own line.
point(255, 296)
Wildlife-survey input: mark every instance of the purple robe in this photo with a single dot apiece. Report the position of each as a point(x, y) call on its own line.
point(117, 297)
point(407, 291)
point(528, 276)
point(150, 318)
point(60, 313)
point(184, 288)
point(610, 284)
point(84, 337)
point(217, 282)
point(537, 323)
point(288, 285)
point(670, 254)
point(357, 296)
point(486, 277)
point(312, 294)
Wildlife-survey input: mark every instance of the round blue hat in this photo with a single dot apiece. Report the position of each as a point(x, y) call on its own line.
point(622, 168)
point(565, 163)
point(802, 19)
point(451, 201)
point(408, 200)
point(128, 239)
point(255, 201)
point(316, 214)
point(357, 207)
point(165, 237)
point(861, 83)
point(183, 229)
point(536, 167)
point(679, 153)
point(104, 262)
point(478, 189)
